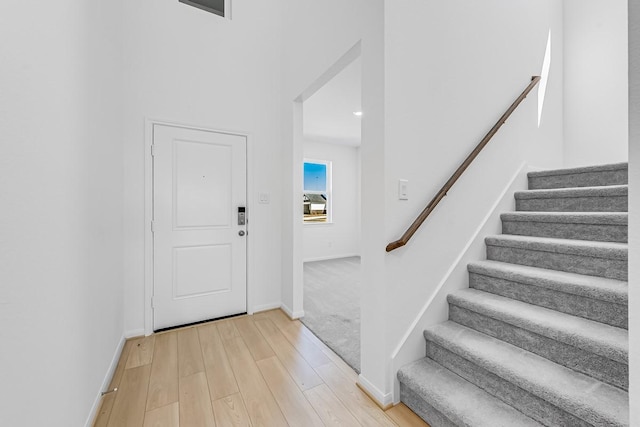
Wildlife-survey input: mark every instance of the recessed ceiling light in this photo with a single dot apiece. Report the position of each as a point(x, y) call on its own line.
point(357, 113)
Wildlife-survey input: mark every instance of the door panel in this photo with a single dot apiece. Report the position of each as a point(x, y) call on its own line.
point(201, 270)
point(199, 254)
point(202, 183)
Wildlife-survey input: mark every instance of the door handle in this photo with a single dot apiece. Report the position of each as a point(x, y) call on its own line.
point(241, 233)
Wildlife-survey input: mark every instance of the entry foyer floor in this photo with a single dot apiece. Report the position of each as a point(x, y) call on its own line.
point(261, 370)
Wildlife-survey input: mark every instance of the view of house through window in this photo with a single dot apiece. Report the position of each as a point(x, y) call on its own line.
point(317, 191)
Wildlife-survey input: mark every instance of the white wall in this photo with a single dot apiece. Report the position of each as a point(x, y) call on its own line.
point(340, 238)
point(61, 234)
point(595, 82)
point(452, 68)
point(188, 66)
point(634, 210)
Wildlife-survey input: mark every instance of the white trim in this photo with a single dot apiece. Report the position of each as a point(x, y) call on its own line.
point(251, 208)
point(292, 314)
point(134, 333)
point(330, 257)
point(148, 235)
point(227, 9)
point(343, 62)
point(297, 227)
point(148, 211)
point(382, 399)
point(265, 307)
point(457, 268)
point(105, 383)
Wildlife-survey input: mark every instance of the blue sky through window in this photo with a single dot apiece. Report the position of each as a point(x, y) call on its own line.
point(315, 177)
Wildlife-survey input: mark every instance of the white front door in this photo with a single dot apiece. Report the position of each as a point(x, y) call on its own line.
point(199, 186)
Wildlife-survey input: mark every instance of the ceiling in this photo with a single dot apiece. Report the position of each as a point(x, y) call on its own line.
point(328, 113)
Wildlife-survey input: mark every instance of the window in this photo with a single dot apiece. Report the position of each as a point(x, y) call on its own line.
point(317, 191)
point(213, 6)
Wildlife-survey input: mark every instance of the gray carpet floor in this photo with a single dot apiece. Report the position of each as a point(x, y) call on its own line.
point(332, 305)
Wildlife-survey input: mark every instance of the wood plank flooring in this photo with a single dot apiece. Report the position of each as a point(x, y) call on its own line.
point(262, 370)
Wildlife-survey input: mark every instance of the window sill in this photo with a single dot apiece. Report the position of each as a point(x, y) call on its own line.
point(317, 224)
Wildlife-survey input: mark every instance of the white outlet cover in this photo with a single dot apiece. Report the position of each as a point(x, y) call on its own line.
point(263, 198)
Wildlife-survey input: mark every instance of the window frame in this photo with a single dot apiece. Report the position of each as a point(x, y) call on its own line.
point(329, 190)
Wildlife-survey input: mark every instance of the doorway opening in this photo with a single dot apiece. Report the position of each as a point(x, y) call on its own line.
point(330, 145)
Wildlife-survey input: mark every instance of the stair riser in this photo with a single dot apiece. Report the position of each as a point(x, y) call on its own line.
point(573, 204)
point(423, 409)
point(590, 265)
point(527, 403)
point(601, 311)
point(588, 363)
point(593, 232)
point(587, 179)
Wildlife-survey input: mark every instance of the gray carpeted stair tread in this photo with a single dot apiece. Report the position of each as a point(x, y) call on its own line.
point(599, 299)
point(566, 193)
point(600, 175)
point(603, 259)
point(581, 360)
point(580, 169)
point(595, 337)
point(595, 226)
point(599, 288)
point(582, 396)
point(613, 198)
point(608, 250)
point(457, 399)
point(599, 218)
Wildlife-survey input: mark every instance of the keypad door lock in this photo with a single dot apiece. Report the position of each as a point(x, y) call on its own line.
point(242, 215)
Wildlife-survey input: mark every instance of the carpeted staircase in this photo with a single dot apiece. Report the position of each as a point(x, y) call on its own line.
point(540, 337)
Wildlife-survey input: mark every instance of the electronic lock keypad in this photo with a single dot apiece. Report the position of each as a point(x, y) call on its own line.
point(242, 215)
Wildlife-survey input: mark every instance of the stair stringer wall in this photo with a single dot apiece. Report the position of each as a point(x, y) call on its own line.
point(634, 206)
point(436, 308)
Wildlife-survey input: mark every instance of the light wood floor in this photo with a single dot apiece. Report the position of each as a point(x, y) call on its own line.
point(262, 370)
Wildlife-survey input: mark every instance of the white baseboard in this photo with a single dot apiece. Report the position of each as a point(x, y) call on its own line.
point(330, 257)
point(134, 333)
point(292, 315)
point(383, 400)
point(265, 307)
point(105, 383)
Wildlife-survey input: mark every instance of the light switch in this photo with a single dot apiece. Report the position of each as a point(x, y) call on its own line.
point(403, 189)
point(263, 198)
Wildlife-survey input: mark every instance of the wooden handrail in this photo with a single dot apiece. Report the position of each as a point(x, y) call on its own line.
point(447, 186)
